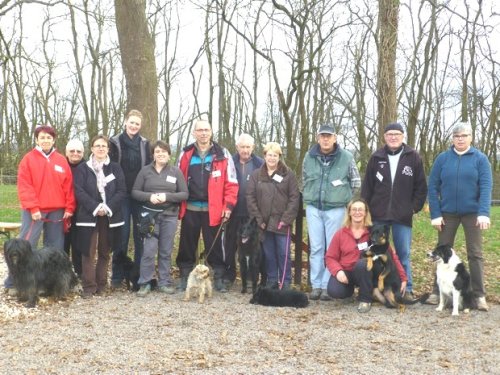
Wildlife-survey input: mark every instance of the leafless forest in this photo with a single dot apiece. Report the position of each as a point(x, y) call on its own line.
point(276, 69)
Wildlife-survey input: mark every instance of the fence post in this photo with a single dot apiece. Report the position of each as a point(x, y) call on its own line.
point(299, 229)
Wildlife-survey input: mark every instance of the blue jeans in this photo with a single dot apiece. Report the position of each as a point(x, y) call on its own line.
point(321, 226)
point(130, 208)
point(401, 237)
point(53, 232)
point(276, 254)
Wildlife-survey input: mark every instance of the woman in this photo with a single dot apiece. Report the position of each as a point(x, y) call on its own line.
point(273, 199)
point(460, 186)
point(161, 188)
point(100, 190)
point(343, 259)
point(45, 190)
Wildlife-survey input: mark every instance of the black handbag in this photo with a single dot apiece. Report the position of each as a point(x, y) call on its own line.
point(146, 222)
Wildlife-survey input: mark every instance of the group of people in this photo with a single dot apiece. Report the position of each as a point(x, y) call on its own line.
point(213, 192)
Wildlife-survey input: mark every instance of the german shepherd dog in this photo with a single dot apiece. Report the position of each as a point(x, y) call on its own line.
point(251, 255)
point(380, 260)
point(47, 270)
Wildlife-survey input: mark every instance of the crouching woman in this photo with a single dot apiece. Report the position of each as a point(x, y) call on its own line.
point(99, 190)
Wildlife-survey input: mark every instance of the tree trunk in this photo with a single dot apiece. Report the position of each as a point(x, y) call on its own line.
point(138, 61)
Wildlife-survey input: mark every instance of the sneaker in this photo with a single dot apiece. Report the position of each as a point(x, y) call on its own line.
point(432, 300)
point(481, 304)
point(364, 307)
point(315, 294)
point(324, 296)
point(166, 289)
point(144, 290)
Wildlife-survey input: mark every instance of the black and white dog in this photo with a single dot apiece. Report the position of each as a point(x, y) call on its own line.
point(453, 280)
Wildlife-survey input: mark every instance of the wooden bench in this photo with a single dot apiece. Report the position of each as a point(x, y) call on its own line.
point(7, 228)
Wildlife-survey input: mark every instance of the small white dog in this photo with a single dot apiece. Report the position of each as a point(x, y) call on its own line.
point(199, 280)
point(453, 280)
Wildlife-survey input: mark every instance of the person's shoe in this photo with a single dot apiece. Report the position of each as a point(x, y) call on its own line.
point(432, 300)
point(481, 304)
point(144, 290)
point(115, 284)
point(166, 289)
point(364, 307)
point(87, 295)
point(408, 297)
point(182, 284)
point(11, 292)
point(228, 284)
point(220, 286)
point(324, 295)
point(315, 294)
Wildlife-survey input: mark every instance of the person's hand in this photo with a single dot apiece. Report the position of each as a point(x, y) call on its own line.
point(263, 226)
point(438, 223)
point(342, 278)
point(155, 198)
point(282, 224)
point(226, 215)
point(483, 222)
point(67, 215)
point(101, 212)
point(403, 288)
point(36, 216)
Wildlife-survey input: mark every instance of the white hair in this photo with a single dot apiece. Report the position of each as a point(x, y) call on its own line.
point(245, 138)
point(75, 144)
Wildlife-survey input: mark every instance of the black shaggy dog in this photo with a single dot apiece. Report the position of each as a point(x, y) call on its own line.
point(250, 255)
point(47, 269)
point(279, 298)
point(131, 273)
point(385, 274)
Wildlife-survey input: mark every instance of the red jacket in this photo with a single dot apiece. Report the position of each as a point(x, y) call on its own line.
point(45, 182)
point(343, 252)
point(222, 183)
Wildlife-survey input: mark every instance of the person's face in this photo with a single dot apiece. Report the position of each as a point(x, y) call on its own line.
point(357, 212)
point(74, 155)
point(393, 139)
point(245, 150)
point(133, 125)
point(45, 141)
point(326, 142)
point(271, 158)
point(202, 133)
point(100, 149)
point(461, 141)
point(161, 156)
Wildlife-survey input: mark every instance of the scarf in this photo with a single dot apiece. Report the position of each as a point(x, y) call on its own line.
point(131, 151)
point(98, 169)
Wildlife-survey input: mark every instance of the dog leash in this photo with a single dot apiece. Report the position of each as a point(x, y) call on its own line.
point(204, 255)
point(45, 220)
point(286, 258)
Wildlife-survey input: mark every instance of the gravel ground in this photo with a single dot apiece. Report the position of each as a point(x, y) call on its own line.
point(120, 333)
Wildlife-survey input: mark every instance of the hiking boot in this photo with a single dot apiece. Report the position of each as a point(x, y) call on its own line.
point(166, 289)
point(315, 294)
point(220, 286)
point(364, 307)
point(144, 290)
point(481, 304)
point(432, 300)
point(324, 295)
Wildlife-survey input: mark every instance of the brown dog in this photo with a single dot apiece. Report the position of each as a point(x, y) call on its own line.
point(199, 281)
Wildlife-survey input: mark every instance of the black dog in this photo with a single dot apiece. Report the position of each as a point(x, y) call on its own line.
point(131, 273)
point(250, 255)
point(380, 259)
point(47, 269)
point(279, 298)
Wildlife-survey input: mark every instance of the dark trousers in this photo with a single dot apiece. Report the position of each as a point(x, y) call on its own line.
point(192, 224)
point(94, 274)
point(231, 245)
point(359, 276)
point(69, 247)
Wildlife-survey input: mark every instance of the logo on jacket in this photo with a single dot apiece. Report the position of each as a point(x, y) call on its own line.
point(407, 171)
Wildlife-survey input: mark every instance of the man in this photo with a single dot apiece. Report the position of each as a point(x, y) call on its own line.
point(395, 188)
point(213, 190)
point(74, 155)
point(460, 185)
point(132, 152)
point(245, 163)
point(330, 178)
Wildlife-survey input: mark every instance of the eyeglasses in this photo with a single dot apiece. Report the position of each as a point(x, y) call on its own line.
point(393, 135)
point(75, 151)
point(460, 136)
point(100, 146)
point(357, 209)
point(203, 130)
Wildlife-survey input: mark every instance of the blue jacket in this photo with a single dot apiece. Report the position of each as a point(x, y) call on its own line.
point(460, 184)
point(243, 173)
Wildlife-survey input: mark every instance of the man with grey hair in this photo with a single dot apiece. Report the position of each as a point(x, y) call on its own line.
point(330, 178)
point(74, 155)
point(460, 186)
point(245, 162)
